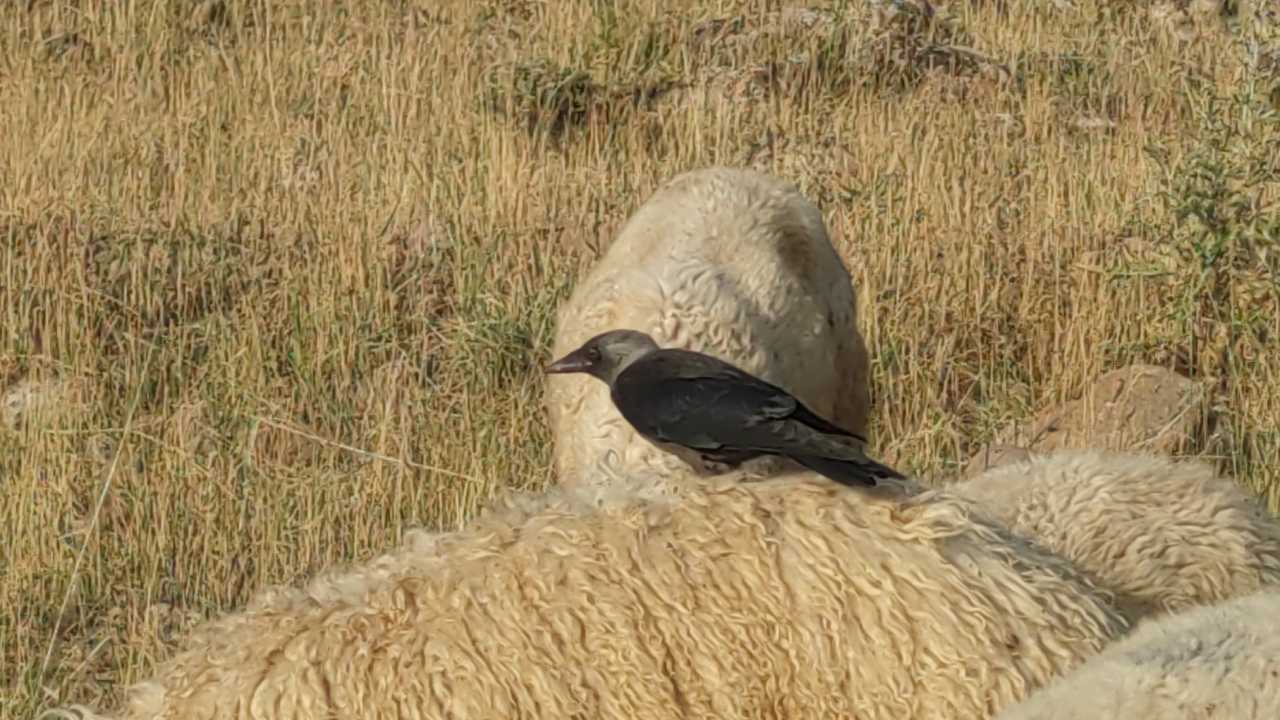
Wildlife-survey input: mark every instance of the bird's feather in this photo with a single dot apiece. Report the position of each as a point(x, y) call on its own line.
point(713, 373)
point(711, 414)
point(848, 472)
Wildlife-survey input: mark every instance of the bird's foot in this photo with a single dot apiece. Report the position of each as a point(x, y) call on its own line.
point(714, 467)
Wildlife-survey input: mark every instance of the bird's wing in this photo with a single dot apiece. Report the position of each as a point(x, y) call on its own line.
point(773, 402)
point(684, 399)
point(684, 411)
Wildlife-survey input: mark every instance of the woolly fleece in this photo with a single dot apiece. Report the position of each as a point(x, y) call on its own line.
point(1220, 661)
point(786, 598)
point(1162, 535)
point(726, 261)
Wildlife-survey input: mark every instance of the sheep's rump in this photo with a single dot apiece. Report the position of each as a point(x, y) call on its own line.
point(785, 598)
point(1163, 535)
point(1221, 661)
point(726, 261)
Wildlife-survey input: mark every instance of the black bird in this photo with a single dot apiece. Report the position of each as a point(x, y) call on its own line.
point(701, 408)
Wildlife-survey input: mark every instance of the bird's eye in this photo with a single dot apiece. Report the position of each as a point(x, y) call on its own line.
point(593, 354)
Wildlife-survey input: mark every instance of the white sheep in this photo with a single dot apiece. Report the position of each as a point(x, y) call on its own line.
point(789, 597)
point(1163, 535)
point(726, 261)
point(1220, 661)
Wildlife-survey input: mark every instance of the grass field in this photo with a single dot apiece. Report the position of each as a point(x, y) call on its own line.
point(277, 278)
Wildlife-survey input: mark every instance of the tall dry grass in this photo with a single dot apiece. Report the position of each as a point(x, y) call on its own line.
point(277, 277)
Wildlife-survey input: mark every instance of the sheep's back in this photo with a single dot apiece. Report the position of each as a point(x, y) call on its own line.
point(1220, 661)
point(1163, 535)
point(776, 599)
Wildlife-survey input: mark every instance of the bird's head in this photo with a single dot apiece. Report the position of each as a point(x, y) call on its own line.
point(606, 355)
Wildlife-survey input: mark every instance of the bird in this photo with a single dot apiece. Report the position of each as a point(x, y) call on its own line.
point(714, 415)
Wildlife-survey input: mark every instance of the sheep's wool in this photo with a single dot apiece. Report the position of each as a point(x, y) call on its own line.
point(1162, 535)
point(786, 598)
point(725, 261)
point(1219, 662)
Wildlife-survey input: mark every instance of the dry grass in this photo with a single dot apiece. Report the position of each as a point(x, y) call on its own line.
point(284, 272)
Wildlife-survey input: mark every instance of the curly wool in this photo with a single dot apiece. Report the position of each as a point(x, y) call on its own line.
point(1162, 535)
point(1220, 661)
point(726, 261)
point(786, 598)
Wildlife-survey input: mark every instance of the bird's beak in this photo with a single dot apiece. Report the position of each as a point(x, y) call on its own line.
point(571, 363)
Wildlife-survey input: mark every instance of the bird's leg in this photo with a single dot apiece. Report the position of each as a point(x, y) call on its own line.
point(719, 462)
point(695, 460)
point(711, 467)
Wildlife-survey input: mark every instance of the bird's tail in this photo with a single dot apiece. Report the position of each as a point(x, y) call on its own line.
point(854, 473)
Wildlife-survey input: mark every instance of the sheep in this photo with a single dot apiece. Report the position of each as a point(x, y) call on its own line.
point(1218, 661)
point(787, 597)
point(730, 262)
point(1161, 535)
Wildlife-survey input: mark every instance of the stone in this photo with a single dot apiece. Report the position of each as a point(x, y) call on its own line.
point(1139, 407)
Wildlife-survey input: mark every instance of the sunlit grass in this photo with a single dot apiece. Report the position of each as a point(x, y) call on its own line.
point(292, 267)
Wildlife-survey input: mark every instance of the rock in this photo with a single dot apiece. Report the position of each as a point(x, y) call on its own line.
point(32, 400)
point(1186, 20)
point(1140, 407)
